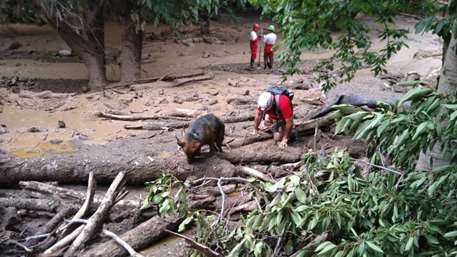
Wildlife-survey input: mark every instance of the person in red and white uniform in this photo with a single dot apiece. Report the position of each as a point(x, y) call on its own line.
point(254, 39)
point(270, 41)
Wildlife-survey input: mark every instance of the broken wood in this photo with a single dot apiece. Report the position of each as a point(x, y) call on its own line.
point(248, 206)
point(70, 194)
point(44, 94)
point(237, 157)
point(169, 77)
point(113, 236)
point(166, 77)
point(57, 219)
point(63, 242)
point(158, 126)
point(181, 82)
point(96, 220)
point(197, 246)
point(138, 238)
point(178, 125)
point(303, 129)
point(90, 192)
point(235, 119)
point(255, 173)
point(128, 117)
point(30, 204)
point(227, 189)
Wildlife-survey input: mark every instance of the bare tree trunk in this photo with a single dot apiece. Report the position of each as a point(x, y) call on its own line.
point(447, 84)
point(131, 51)
point(86, 41)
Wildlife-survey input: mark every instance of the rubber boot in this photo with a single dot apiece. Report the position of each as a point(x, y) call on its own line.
point(251, 66)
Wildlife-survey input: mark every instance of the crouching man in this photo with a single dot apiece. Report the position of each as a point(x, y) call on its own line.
point(275, 109)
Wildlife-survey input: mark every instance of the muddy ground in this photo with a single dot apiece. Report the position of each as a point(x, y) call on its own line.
point(37, 66)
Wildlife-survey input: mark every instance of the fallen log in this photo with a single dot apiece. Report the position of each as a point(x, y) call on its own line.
point(194, 244)
point(65, 193)
point(303, 129)
point(30, 204)
point(96, 220)
point(128, 117)
point(134, 155)
point(158, 126)
point(261, 157)
point(248, 117)
point(44, 94)
point(181, 82)
point(138, 238)
point(178, 125)
point(166, 77)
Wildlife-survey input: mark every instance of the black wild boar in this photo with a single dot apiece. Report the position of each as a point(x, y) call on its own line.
point(205, 130)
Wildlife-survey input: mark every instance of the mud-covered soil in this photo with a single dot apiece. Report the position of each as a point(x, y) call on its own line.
point(36, 67)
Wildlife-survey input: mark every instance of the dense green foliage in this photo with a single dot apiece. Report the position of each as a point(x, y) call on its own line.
point(310, 24)
point(400, 133)
point(334, 208)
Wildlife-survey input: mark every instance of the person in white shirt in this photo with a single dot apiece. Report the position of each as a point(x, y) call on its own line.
point(269, 40)
point(254, 43)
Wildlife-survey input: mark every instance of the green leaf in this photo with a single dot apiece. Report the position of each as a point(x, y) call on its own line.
point(183, 224)
point(300, 194)
point(258, 249)
point(374, 247)
point(409, 244)
point(421, 129)
point(451, 234)
point(414, 94)
point(325, 247)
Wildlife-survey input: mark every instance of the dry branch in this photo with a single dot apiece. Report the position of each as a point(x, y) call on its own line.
point(96, 220)
point(65, 193)
point(57, 219)
point(63, 242)
point(158, 126)
point(254, 173)
point(85, 206)
point(128, 117)
point(248, 206)
point(181, 82)
point(166, 77)
point(138, 238)
point(44, 94)
point(113, 236)
point(200, 247)
point(30, 204)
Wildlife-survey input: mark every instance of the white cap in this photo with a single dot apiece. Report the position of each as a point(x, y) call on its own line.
point(265, 101)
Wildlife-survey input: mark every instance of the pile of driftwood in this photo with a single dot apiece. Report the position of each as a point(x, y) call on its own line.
point(80, 222)
point(78, 218)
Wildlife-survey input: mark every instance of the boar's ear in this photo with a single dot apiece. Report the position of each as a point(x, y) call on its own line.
point(180, 143)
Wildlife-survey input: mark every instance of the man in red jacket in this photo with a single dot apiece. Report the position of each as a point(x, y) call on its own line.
point(277, 113)
point(254, 39)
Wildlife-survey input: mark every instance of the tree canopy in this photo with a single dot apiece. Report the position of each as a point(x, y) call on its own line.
point(311, 24)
